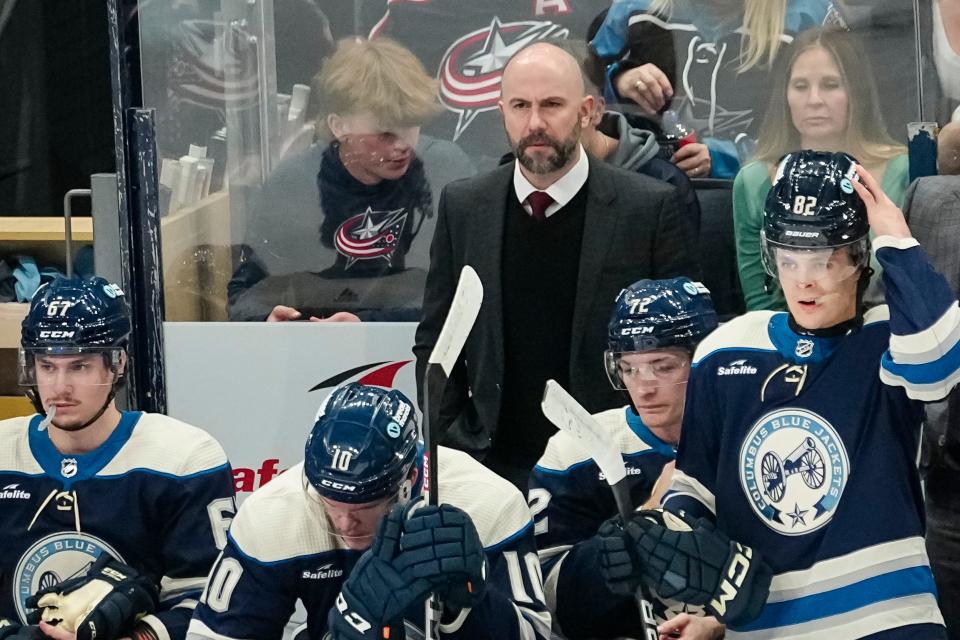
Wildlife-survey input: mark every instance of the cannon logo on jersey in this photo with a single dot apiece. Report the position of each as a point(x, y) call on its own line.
point(471, 69)
point(793, 469)
point(52, 560)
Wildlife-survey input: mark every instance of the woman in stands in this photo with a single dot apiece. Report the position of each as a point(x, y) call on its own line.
point(710, 62)
point(825, 101)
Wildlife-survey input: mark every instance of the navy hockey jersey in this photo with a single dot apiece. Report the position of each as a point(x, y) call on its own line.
point(466, 44)
point(157, 495)
point(281, 548)
point(570, 498)
point(804, 448)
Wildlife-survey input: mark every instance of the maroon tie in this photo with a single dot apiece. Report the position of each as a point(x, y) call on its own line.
point(539, 201)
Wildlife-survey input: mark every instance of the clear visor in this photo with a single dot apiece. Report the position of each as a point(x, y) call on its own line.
point(68, 367)
point(632, 369)
point(355, 525)
point(828, 266)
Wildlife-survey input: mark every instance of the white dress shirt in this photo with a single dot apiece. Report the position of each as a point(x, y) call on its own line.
point(562, 191)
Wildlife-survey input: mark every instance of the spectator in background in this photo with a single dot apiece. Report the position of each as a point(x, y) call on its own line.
point(932, 207)
point(553, 237)
point(825, 100)
point(725, 50)
point(345, 226)
point(948, 150)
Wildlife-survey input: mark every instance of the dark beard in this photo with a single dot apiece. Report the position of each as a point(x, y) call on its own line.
point(563, 151)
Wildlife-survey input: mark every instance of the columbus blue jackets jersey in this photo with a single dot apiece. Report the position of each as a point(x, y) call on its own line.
point(281, 549)
point(570, 498)
point(465, 44)
point(711, 93)
point(804, 448)
point(157, 495)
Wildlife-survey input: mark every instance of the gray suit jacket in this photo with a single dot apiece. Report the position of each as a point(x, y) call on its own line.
point(634, 227)
point(932, 207)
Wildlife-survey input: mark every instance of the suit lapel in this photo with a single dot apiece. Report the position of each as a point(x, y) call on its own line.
point(598, 225)
point(488, 221)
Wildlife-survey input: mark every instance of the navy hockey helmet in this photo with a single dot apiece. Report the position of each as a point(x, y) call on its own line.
point(655, 314)
point(813, 206)
point(75, 315)
point(363, 444)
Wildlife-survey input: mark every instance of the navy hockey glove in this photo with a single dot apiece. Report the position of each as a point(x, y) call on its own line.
point(441, 543)
point(690, 562)
point(13, 631)
point(374, 597)
point(103, 604)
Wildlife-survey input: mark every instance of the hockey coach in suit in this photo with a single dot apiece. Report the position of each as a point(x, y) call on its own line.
point(554, 237)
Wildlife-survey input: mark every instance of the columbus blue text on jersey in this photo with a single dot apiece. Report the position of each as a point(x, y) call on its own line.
point(157, 495)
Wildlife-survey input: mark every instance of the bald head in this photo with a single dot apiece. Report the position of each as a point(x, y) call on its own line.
point(545, 58)
point(544, 109)
point(948, 150)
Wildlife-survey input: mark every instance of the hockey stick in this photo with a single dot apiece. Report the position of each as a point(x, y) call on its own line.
point(569, 415)
point(453, 335)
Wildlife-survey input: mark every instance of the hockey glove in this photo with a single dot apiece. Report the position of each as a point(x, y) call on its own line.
point(441, 543)
point(13, 631)
point(690, 562)
point(103, 604)
point(374, 597)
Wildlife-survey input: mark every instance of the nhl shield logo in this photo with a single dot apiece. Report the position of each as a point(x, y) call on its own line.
point(804, 348)
point(793, 469)
point(68, 467)
point(472, 67)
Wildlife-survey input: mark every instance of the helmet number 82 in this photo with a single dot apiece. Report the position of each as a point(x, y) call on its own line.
point(803, 205)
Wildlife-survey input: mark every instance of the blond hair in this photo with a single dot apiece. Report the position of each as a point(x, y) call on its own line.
point(762, 29)
point(866, 137)
point(377, 76)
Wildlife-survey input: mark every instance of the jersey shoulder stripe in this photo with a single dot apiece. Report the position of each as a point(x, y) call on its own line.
point(15, 454)
point(280, 522)
point(498, 509)
point(748, 332)
point(166, 446)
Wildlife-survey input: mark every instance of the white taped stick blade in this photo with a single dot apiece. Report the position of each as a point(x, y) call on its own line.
point(460, 318)
point(570, 416)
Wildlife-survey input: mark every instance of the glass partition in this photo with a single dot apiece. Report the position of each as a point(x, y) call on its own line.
point(291, 191)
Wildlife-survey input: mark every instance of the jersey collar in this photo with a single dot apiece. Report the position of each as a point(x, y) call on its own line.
point(643, 432)
point(72, 468)
point(806, 347)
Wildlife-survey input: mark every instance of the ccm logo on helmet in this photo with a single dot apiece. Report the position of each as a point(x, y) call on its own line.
point(57, 334)
point(632, 331)
point(339, 486)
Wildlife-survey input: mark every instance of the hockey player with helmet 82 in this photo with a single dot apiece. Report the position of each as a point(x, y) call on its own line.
point(343, 533)
point(810, 458)
point(653, 330)
point(167, 482)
